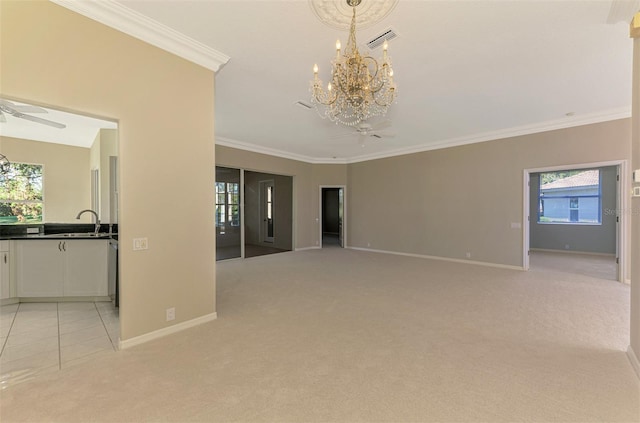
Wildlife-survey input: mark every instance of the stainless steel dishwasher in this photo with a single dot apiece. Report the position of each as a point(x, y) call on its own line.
point(113, 284)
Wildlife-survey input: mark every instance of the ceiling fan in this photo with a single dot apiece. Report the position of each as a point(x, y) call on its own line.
point(367, 132)
point(18, 111)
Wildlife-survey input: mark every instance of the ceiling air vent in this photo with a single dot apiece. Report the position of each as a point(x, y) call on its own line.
point(302, 104)
point(377, 41)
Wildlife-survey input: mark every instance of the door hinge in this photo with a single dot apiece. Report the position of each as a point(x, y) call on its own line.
point(617, 260)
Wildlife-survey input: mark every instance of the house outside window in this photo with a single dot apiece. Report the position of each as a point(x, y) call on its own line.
point(570, 197)
point(21, 194)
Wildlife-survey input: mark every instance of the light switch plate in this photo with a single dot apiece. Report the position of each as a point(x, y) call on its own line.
point(140, 244)
point(636, 192)
point(636, 176)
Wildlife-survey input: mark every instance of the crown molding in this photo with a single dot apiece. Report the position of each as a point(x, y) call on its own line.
point(254, 148)
point(605, 116)
point(622, 11)
point(130, 22)
point(634, 29)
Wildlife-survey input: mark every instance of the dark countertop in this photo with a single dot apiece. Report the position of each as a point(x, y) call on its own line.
point(58, 231)
point(65, 236)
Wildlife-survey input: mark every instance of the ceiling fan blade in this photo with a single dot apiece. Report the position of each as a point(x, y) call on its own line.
point(24, 108)
point(385, 135)
point(3, 119)
point(29, 109)
point(344, 135)
point(40, 120)
point(381, 125)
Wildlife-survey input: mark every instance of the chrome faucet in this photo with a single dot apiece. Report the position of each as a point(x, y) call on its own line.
point(97, 229)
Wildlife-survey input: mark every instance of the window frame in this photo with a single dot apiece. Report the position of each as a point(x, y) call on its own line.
point(231, 218)
point(41, 202)
point(571, 197)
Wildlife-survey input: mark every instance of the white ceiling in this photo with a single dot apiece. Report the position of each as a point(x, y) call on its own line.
point(80, 131)
point(467, 71)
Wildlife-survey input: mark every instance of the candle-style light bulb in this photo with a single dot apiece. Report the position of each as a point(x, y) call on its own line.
point(338, 45)
point(315, 68)
point(385, 46)
point(329, 86)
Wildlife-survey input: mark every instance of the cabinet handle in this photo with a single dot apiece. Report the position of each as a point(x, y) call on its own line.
point(64, 245)
point(59, 245)
point(5, 258)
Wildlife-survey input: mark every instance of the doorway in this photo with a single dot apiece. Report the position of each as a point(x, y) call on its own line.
point(332, 216)
point(254, 213)
point(573, 220)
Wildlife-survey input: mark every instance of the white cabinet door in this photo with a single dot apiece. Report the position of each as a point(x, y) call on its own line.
point(86, 268)
point(40, 268)
point(5, 285)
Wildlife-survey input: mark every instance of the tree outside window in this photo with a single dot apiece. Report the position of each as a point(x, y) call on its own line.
point(21, 199)
point(227, 204)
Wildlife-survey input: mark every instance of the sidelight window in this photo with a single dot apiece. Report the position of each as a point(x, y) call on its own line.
point(227, 204)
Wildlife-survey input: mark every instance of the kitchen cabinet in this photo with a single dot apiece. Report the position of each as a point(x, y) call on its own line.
point(61, 268)
point(5, 281)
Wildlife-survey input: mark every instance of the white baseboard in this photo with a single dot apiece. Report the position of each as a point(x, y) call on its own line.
point(454, 260)
point(633, 358)
point(588, 253)
point(316, 247)
point(131, 342)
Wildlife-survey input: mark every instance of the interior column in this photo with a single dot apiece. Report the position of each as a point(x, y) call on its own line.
point(634, 347)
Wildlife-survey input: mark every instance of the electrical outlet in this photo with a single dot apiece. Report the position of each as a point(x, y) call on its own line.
point(140, 244)
point(468, 255)
point(171, 314)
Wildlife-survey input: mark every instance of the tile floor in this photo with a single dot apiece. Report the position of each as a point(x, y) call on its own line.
point(46, 337)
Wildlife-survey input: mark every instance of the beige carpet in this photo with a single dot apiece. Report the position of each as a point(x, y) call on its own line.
point(337, 335)
point(598, 266)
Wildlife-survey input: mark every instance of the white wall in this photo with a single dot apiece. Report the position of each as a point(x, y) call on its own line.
point(54, 57)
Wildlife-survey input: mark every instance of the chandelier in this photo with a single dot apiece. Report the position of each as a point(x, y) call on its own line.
point(360, 86)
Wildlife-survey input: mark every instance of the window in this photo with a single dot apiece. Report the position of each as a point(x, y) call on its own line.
point(21, 199)
point(227, 204)
point(570, 197)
